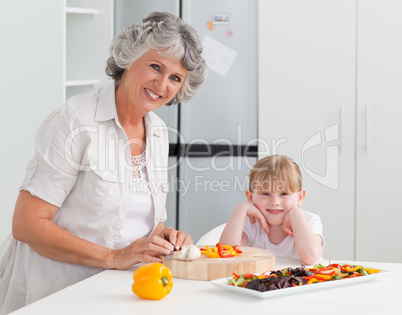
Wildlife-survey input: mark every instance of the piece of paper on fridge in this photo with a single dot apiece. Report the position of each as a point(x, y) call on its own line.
point(218, 56)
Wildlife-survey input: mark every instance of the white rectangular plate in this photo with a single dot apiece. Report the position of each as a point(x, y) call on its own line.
point(223, 283)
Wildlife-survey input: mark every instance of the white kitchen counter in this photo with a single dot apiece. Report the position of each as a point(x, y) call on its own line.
point(110, 293)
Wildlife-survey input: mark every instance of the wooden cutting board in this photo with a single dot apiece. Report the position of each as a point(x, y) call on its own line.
point(252, 260)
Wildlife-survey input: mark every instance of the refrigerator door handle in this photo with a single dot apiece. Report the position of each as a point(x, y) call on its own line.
point(341, 123)
point(368, 140)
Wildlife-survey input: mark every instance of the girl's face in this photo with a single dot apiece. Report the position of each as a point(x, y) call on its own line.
point(151, 81)
point(275, 205)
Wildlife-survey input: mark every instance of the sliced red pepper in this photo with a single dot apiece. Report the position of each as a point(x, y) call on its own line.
point(320, 278)
point(235, 275)
point(307, 278)
point(248, 275)
point(221, 253)
point(335, 266)
point(226, 256)
point(237, 249)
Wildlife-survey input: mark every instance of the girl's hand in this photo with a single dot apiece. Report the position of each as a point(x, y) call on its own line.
point(287, 225)
point(253, 213)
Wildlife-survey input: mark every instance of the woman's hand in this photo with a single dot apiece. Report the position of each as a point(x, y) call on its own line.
point(177, 238)
point(32, 224)
point(148, 249)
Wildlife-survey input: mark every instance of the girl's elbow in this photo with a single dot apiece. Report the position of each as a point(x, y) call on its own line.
point(309, 261)
point(311, 258)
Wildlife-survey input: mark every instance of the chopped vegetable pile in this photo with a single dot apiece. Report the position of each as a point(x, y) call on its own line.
point(221, 251)
point(293, 277)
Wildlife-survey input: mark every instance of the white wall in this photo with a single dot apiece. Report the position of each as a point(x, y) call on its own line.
point(30, 87)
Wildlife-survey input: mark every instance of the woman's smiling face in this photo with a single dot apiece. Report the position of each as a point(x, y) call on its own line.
point(151, 81)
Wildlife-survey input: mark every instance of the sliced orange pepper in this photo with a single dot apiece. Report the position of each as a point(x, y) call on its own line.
point(322, 277)
point(312, 280)
point(370, 270)
point(352, 269)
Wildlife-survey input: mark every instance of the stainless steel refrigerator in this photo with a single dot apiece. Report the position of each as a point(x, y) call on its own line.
point(213, 138)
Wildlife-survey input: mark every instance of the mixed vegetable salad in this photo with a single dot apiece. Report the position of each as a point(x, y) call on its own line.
point(293, 277)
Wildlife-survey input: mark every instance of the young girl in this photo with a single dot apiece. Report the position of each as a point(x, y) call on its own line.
point(271, 218)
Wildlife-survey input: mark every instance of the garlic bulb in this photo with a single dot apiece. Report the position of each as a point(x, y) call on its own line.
point(190, 252)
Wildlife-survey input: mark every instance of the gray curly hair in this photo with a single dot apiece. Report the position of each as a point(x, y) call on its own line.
point(160, 31)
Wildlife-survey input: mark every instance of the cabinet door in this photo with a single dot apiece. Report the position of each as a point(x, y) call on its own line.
point(307, 105)
point(379, 171)
point(31, 86)
point(88, 34)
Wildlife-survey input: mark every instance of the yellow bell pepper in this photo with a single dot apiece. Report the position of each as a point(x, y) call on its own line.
point(211, 252)
point(312, 280)
point(152, 281)
point(370, 270)
point(353, 269)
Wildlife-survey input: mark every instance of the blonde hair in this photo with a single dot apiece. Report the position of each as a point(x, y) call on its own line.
point(275, 173)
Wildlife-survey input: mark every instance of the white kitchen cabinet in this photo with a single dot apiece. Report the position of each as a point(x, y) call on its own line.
point(329, 97)
point(88, 35)
point(51, 49)
point(379, 131)
point(306, 89)
point(31, 86)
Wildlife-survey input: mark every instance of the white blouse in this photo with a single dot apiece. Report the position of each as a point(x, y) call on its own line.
point(140, 217)
point(81, 165)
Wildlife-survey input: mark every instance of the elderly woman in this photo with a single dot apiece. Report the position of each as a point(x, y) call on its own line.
point(94, 193)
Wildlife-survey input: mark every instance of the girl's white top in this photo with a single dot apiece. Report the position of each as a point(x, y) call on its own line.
point(287, 248)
